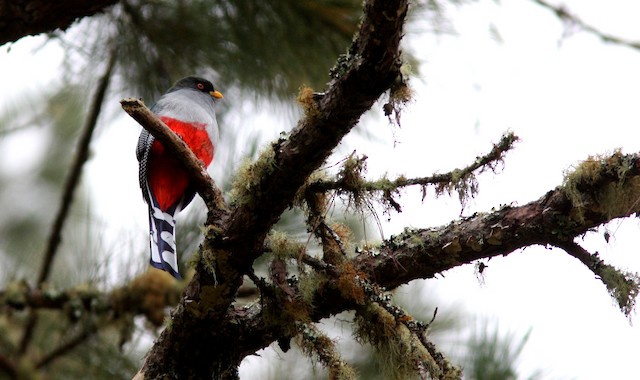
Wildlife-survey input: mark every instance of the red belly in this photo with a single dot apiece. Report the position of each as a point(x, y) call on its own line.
point(166, 176)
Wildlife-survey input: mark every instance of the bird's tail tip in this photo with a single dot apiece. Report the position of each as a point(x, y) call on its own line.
point(163, 244)
point(165, 266)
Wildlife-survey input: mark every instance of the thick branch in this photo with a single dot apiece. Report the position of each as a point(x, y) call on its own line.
point(599, 191)
point(610, 189)
point(372, 65)
point(24, 18)
point(367, 71)
point(203, 183)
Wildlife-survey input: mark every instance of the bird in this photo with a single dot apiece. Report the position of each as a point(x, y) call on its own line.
point(188, 109)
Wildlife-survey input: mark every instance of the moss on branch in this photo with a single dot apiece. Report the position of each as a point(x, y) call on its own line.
point(604, 184)
point(148, 294)
point(350, 179)
point(314, 342)
point(621, 285)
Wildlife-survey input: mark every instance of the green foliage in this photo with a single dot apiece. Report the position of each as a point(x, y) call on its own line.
point(492, 355)
point(266, 47)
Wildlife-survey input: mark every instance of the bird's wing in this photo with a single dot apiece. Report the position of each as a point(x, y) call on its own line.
point(143, 149)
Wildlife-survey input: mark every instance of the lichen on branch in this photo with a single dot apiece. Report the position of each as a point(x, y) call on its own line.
point(147, 294)
point(314, 342)
point(623, 286)
point(350, 179)
point(603, 184)
point(404, 342)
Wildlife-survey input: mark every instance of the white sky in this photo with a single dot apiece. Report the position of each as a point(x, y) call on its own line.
point(565, 97)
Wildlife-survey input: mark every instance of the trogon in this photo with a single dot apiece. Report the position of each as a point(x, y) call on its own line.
point(188, 108)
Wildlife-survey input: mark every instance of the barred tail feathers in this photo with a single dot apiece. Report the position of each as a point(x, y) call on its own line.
point(163, 241)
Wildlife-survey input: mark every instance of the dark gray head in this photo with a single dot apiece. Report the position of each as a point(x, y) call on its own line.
point(197, 84)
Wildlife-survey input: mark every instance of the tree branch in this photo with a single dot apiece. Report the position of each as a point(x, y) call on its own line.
point(454, 179)
point(433, 363)
point(67, 346)
point(622, 286)
point(73, 178)
point(314, 342)
point(24, 18)
point(68, 191)
point(369, 69)
point(607, 187)
point(599, 190)
point(148, 294)
point(563, 14)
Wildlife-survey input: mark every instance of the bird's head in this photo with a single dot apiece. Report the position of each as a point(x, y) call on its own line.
point(197, 84)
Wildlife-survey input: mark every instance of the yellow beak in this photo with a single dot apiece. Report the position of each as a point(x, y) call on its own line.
point(216, 94)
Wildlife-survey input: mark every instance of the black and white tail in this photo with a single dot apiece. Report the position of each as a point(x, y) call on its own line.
point(162, 240)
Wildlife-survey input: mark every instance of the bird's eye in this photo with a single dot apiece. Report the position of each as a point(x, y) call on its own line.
point(200, 86)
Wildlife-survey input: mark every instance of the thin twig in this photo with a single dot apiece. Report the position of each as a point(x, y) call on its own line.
point(572, 248)
point(332, 246)
point(73, 178)
point(261, 284)
point(563, 14)
point(67, 346)
point(203, 183)
point(70, 185)
point(319, 265)
point(623, 286)
point(28, 332)
point(495, 155)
